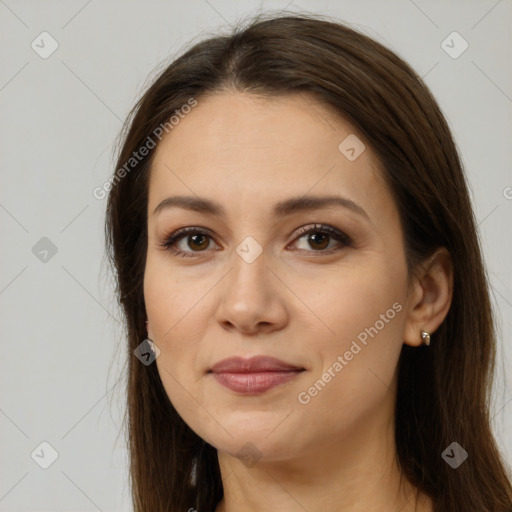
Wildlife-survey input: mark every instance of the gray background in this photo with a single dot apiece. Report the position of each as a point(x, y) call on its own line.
point(61, 375)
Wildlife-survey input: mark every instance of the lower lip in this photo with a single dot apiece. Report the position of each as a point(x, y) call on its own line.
point(254, 383)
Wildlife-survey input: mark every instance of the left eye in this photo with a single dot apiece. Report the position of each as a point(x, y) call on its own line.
point(319, 238)
point(319, 234)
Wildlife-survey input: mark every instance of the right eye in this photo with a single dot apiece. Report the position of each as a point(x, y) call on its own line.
point(189, 237)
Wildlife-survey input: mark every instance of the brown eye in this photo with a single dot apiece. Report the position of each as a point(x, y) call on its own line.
point(198, 241)
point(318, 240)
point(319, 237)
point(186, 242)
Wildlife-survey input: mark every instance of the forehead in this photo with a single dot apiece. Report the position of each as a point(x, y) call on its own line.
point(251, 152)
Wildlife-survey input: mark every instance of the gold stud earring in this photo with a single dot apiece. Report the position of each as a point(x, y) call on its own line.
point(425, 337)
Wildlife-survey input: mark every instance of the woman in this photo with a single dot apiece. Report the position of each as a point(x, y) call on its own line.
point(291, 230)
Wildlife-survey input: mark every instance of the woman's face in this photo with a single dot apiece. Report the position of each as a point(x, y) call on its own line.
point(253, 282)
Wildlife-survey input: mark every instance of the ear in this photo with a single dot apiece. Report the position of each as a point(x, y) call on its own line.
point(430, 298)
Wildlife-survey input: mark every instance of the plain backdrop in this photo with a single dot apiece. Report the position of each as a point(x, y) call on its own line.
point(63, 354)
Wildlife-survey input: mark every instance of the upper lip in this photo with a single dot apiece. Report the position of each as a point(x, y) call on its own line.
point(252, 365)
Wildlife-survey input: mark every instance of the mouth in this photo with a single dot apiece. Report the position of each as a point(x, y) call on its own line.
point(254, 375)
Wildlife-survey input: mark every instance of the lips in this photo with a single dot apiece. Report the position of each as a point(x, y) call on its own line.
point(253, 365)
point(254, 375)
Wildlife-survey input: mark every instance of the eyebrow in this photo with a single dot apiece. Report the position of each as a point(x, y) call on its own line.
point(281, 209)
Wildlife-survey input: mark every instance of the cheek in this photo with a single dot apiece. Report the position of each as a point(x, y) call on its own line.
point(354, 379)
point(359, 317)
point(176, 311)
point(175, 302)
point(166, 308)
point(349, 300)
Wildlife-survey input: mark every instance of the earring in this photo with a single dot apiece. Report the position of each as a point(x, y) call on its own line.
point(425, 337)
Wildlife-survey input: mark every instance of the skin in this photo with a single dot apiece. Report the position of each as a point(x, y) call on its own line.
point(294, 302)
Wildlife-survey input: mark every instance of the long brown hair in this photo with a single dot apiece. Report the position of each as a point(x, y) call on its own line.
point(444, 390)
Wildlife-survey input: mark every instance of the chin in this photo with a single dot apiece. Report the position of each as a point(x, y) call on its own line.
point(251, 450)
point(254, 438)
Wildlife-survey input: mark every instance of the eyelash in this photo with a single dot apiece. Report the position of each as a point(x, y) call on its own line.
point(171, 241)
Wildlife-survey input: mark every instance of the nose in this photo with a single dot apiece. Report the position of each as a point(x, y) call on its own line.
point(252, 298)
